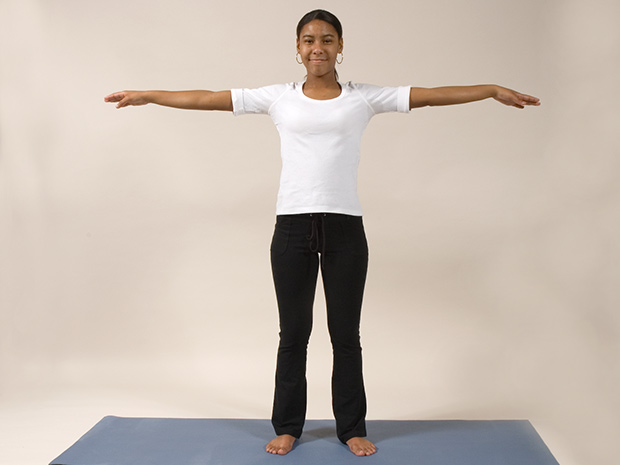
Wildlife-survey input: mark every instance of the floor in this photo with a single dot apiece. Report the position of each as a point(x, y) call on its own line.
point(55, 420)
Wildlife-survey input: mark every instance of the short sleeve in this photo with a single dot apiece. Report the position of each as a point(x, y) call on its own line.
point(385, 99)
point(256, 101)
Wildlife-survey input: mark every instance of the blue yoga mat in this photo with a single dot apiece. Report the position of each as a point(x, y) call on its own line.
point(174, 441)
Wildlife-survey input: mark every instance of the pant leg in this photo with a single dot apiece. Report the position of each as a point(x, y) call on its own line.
point(295, 270)
point(344, 265)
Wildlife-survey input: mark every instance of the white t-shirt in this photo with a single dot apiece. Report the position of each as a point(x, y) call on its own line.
point(320, 140)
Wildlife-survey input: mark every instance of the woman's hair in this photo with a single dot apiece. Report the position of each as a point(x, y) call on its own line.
point(323, 16)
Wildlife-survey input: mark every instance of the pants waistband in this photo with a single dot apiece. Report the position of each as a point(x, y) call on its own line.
point(312, 215)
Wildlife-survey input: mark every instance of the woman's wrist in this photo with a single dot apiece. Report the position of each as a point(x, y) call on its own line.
point(150, 96)
point(493, 90)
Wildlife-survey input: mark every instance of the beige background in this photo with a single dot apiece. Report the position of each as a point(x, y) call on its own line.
point(135, 276)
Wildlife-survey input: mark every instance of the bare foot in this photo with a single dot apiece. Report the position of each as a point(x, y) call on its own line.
point(281, 445)
point(361, 446)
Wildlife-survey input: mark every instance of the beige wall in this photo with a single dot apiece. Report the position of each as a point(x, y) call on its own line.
point(134, 243)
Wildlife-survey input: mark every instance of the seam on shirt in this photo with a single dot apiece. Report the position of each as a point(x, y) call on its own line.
point(237, 95)
point(286, 89)
point(406, 91)
point(364, 98)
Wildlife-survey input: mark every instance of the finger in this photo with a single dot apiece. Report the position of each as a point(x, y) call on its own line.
point(530, 102)
point(115, 97)
point(123, 103)
point(529, 99)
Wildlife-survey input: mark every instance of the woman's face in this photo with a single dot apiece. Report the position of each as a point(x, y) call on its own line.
point(318, 44)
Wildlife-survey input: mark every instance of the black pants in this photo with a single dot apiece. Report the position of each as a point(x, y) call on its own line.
point(337, 244)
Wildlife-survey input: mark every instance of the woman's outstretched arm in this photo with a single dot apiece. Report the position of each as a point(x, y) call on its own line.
point(187, 99)
point(421, 97)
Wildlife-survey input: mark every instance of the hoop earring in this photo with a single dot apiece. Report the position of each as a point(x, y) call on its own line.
point(341, 58)
point(298, 55)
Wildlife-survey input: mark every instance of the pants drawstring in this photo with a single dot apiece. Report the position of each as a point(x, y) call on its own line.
point(317, 241)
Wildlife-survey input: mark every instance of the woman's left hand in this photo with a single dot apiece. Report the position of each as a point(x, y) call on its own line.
point(514, 99)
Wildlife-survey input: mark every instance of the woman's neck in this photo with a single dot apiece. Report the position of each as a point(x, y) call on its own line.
point(325, 82)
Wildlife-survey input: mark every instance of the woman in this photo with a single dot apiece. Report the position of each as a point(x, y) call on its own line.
point(319, 218)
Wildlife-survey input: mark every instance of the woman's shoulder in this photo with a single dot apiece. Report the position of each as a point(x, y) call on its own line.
point(361, 86)
point(373, 90)
point(278, 90)
point(281, 87)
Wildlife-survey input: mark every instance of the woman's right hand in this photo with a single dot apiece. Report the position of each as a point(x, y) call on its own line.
point(128, 97)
